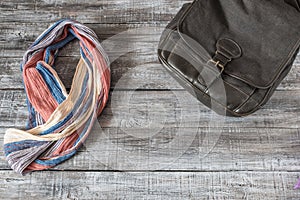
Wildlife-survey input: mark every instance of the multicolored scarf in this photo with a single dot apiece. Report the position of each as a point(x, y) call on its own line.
point(59, 122)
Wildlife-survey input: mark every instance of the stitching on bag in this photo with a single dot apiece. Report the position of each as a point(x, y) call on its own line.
point(246, 101)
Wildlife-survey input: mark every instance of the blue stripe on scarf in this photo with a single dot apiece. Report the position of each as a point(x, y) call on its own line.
point(16, 146)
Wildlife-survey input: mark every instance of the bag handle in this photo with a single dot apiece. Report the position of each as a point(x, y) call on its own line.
point(294, 3)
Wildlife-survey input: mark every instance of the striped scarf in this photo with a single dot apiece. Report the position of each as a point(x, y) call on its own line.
point(59, 122)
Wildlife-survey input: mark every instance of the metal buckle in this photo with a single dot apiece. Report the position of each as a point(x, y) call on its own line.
point(217, 64)
point(227, 50)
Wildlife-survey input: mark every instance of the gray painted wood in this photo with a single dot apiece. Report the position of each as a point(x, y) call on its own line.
point(159, 127)
point(210, 150)
point(105, 11)
point(173, 108)
point(149, 185)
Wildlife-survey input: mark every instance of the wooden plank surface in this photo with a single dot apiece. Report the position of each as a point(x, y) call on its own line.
point(105, 11)
point(149, 185)
point(233, 150)
point(282, 111)
point(153, 140)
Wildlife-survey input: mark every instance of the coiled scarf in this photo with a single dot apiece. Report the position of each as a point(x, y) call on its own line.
point(59, 122)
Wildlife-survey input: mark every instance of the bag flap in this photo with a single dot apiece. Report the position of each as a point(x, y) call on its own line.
point(268, 33)
point(294, 3)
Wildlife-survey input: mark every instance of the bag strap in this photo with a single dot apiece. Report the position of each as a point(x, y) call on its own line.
point(294, 3)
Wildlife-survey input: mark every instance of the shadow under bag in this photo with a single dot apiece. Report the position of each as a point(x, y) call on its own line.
point(232, 54)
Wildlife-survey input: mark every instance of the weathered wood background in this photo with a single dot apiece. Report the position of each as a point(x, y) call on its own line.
point(256, 157)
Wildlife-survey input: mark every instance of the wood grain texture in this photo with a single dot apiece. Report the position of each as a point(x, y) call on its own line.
point(149, 185)
point(172, 109)
point(105, 11)
point(203, 149)
point(15, 38)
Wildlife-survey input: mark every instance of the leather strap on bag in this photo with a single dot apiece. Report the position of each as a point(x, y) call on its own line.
point(294, 3)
